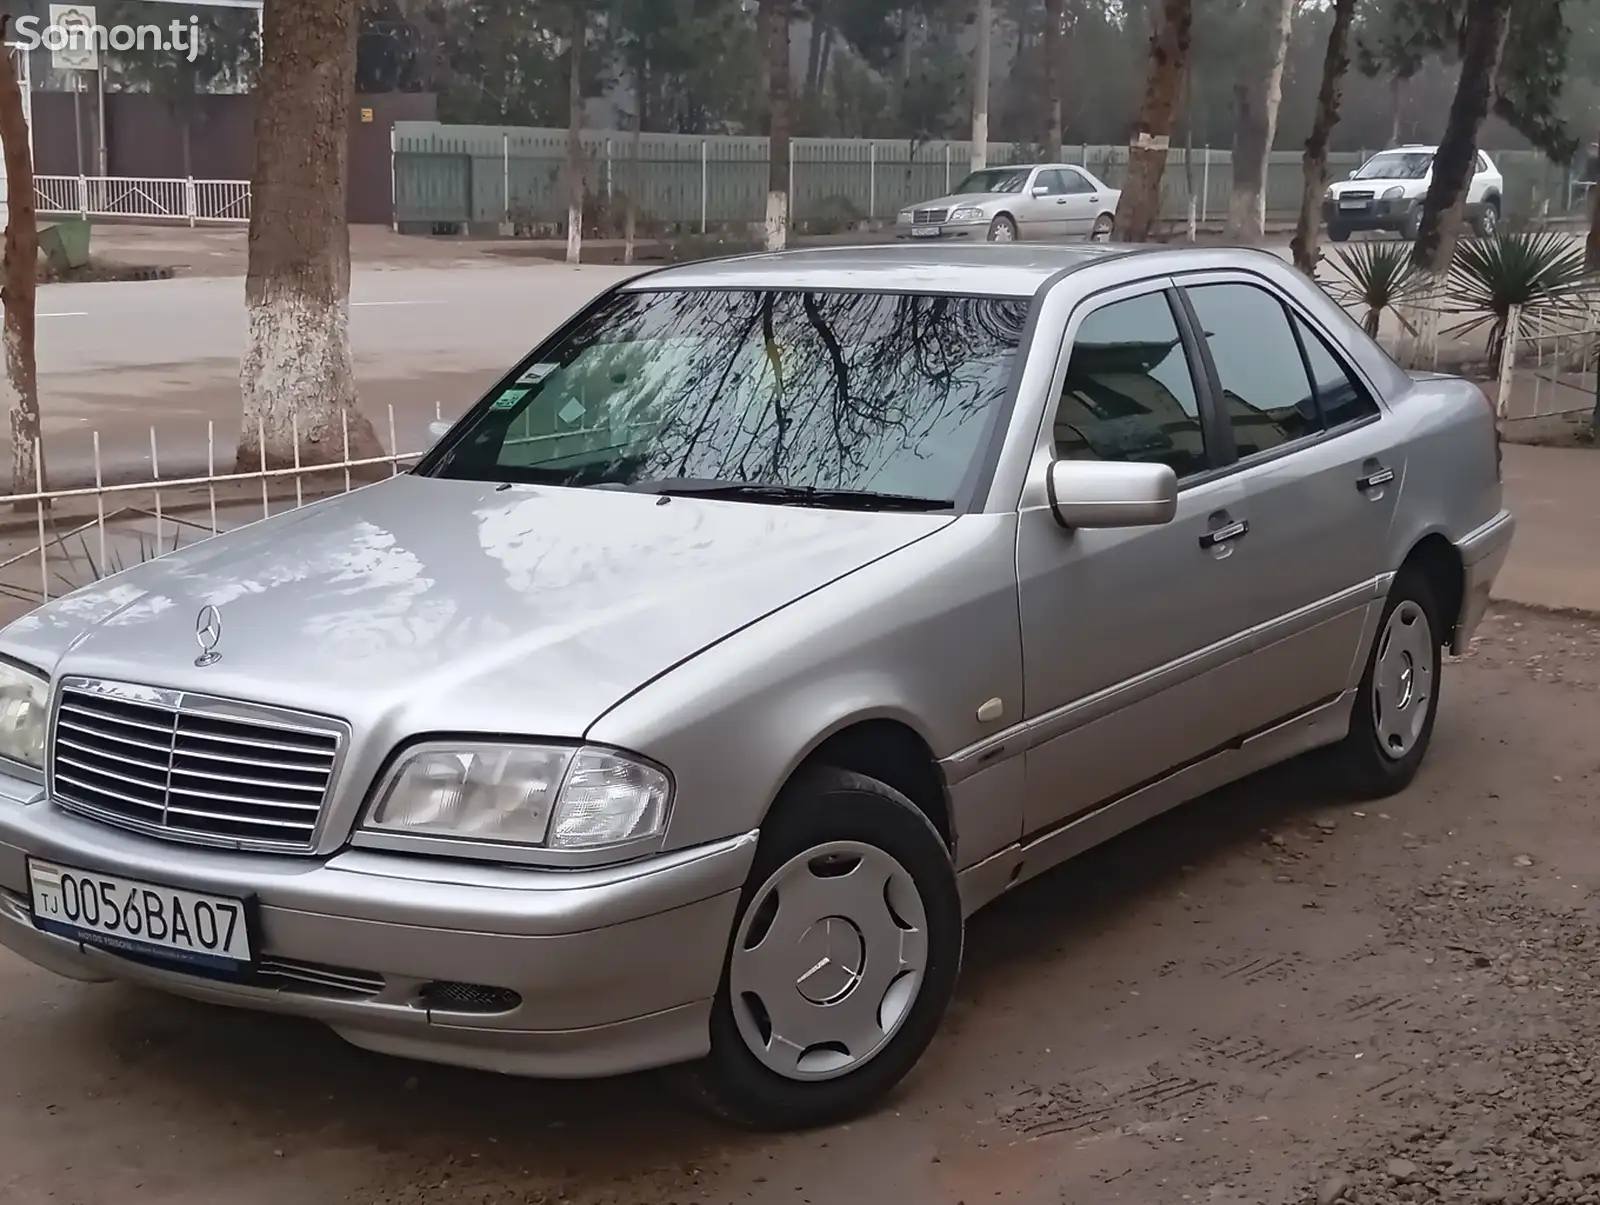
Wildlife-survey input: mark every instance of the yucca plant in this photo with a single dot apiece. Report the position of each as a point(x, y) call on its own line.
point(1374, 277)
point(1540, 272)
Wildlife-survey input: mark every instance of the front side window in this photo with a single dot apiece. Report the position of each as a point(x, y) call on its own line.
point(1265, 391)
point(884, 395)
point(1129, 393)
point(1053, 182)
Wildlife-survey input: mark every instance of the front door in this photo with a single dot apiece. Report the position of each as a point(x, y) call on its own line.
point(1047, 213)
point(1132, 639)
point(1317, 460)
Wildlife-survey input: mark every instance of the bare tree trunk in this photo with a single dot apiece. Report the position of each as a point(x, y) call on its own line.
point(1335, 65)
point(297, 374)
point(1259, 92)
point(575, 164)
point(19, 284)
point(1152, 132)
point(1397, 104)
point(779, 15)
point(1486, 25)
point(819, 25)
point(1055, 74)
point(980, 86)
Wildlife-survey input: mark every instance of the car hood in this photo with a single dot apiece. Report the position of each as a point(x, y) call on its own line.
point(441, 605)
point(969, 200)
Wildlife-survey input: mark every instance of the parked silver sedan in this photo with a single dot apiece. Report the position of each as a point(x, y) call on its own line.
point(761, 625)
point(1031, 201)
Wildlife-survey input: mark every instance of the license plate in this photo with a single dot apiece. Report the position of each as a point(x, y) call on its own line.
point(926, 231)
point(140, 919)
point(1352, 204)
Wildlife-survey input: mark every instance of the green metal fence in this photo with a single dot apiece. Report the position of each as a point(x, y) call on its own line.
point(459, 174)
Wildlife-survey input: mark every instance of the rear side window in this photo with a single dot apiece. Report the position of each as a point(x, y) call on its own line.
point(1341, 397)
point(1130, 393)
point(1266, 395)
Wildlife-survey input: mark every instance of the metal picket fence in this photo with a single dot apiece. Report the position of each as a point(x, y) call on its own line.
point(144, 198)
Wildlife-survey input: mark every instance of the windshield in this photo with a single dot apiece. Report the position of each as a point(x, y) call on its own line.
point(889, 394)
point(1396, 165)
point(995, 180)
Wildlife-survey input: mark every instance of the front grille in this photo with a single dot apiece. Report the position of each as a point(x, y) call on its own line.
point(1356, 196)
point(929, 217)
point(190, 767)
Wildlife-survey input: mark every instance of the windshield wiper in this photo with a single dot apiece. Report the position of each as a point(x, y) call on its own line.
point(790, 495)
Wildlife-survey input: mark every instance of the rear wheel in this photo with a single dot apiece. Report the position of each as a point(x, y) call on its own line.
point(1398, 700)
point(1488, 219)
point(1102, 228)
point(1003, 230)
point(843, 959)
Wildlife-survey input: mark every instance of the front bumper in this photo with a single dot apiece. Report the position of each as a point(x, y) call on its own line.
point(1483, 555)
point(613, 970)
point(1373, 215)
point(944, 232)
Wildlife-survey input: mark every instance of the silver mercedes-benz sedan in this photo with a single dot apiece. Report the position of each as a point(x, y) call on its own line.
point(762, 624)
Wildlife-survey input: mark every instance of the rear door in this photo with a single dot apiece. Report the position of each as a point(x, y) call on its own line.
point(1085, 202)
point(1315, 454)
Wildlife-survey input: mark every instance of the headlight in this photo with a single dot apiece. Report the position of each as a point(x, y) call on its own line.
point(535, 795)
point(1394, 194)
point(1328, 196)
point(967, 215)
point(24, 712)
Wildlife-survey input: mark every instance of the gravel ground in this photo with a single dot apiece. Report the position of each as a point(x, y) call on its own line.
point(1268, 998)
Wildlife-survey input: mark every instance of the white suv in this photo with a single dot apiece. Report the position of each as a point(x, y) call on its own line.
point(1386, 193)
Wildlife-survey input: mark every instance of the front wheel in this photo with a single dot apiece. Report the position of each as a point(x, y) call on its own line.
point(843, 960)
point(1398, 700)
point(1338, 233)
point(1002, 230)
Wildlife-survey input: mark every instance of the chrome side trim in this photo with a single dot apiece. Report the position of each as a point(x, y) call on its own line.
point(1030, 733)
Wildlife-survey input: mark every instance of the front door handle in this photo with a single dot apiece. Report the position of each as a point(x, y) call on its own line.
point(1236, 530)
point(1372, 480)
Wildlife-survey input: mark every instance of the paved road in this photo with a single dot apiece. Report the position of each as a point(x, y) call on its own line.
point(1269, 992)
point(119, 357)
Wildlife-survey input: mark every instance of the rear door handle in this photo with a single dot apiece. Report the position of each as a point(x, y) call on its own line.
point(1236, 530)
point(1374, 479)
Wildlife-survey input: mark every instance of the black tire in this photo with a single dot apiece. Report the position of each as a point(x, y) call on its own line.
point(1413, 224)
point(1488, 222)
point(820, 806)
point(1363, 765)
point(1338, 233)
point(1102, 228)
point(1004, 222)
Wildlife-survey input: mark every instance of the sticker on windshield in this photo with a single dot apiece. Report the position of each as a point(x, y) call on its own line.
point(509, 399)
point(572, 411)
point(536, 373)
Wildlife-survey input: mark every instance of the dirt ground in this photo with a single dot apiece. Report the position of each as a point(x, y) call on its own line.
point(1268, 997)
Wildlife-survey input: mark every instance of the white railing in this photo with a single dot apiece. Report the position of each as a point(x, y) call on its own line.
point(54, 541)
point(146, 199)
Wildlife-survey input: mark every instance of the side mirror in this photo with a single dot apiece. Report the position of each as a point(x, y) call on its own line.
point(1101, 493)
point(1041, 190)
point(439, 428)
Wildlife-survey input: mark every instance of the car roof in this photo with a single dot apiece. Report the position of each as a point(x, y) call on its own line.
point(986, 269)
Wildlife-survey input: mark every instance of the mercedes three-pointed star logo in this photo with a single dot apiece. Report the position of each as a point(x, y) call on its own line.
point(208, 631)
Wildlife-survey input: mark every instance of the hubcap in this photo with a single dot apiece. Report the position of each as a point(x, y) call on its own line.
point(1002, 233)
point(1402, 680)
point(1101, 231)
point(828, 961)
